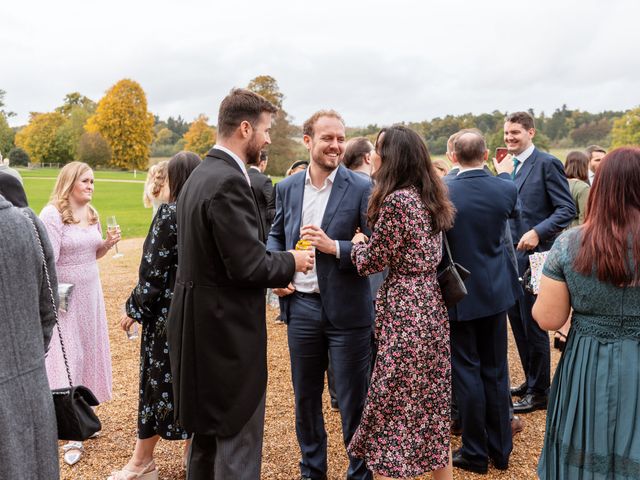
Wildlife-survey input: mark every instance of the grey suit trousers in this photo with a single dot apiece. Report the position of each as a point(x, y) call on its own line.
point(229, 458)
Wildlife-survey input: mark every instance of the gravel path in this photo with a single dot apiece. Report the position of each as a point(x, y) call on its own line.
point(280, 454)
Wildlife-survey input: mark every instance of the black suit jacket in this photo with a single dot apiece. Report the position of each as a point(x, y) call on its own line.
point(216, 328)
point(263, 189)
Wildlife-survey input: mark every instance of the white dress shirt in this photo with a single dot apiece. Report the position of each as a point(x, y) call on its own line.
point(237, 159)
point(523, 156)
point(314, 204)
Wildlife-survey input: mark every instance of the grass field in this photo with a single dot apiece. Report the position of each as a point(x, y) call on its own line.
point(122, 199)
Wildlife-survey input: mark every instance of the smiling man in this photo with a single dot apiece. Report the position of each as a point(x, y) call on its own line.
point(329, 311)
point(547, 208)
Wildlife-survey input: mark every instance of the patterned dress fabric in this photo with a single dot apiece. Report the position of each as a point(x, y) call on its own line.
point(404, 431)
point(84, 324)
point(149, 304)
point(592, 428)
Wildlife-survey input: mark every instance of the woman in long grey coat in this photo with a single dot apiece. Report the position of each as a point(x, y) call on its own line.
point(28, 435)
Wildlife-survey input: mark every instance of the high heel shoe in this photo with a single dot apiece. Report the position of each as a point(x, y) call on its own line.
point(560, 341)
point(72, 452)
point(145, 474)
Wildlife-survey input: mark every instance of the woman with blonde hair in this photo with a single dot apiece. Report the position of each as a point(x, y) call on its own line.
point(76, 237)
point(156, 187)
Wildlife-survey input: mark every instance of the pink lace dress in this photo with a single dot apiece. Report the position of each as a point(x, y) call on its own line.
point(84, 325)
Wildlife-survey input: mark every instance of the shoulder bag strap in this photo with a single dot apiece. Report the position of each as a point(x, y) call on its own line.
point(53, 303)
point(446, 245)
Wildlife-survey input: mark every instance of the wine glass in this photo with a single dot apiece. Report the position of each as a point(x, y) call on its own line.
point(112, 227)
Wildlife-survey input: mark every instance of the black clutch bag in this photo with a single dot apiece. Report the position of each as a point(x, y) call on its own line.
point(74, 415)
point(451, 279)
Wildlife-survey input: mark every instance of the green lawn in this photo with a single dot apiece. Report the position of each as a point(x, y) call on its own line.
point(111, 174)
point(124, 200)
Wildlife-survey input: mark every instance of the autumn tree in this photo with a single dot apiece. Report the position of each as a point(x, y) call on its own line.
point(200, 137)
point(123, 120)
point(626, 129)
point(41, 139)
point(283, 150)
point(93, 149)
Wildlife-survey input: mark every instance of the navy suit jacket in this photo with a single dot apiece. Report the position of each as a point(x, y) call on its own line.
point(547, 204)
point(346, 298)
point(484, 204)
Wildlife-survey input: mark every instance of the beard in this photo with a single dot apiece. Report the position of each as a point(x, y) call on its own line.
point(252, 151)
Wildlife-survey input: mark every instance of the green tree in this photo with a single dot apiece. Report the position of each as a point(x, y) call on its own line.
point(123, 120)
point(2, 110)
point(200, 137)
point(93, 149)
point(18, 157)
point(626, 129)
point(41, 139)
point(7, 135)
point(283, 150)
point(73, 101)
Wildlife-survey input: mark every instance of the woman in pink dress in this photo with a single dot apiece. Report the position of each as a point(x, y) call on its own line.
point(405, 427)
point(74, 231)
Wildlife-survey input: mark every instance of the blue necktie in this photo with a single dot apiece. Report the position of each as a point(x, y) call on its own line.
point(516, 162)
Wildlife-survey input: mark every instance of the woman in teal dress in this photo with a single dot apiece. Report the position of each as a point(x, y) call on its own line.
point(593, 428)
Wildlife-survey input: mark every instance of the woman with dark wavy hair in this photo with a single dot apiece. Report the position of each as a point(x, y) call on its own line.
point(404, 431)
point(593, 405)
point(149, 304)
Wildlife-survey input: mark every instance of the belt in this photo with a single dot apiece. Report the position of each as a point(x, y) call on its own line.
point(313, 295)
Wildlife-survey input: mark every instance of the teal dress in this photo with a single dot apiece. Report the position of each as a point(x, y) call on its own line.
point(593, 426)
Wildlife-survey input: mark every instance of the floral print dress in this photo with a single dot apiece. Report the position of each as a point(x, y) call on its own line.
point(149, 304)
point(404, 431)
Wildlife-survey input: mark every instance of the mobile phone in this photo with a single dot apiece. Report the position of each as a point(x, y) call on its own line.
point(501, 152)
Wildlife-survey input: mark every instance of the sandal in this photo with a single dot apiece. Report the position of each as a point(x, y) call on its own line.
point(145, 474)
point(72, 452)
point(559, 341)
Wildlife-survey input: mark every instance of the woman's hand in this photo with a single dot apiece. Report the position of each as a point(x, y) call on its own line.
point(126, 322)
point(113, 237)
point(359, 237)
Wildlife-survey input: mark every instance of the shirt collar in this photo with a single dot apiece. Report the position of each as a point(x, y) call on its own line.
point(255, 168)
point(526, 154)
point(330, 179)
point(462, 170)
point(237, 159)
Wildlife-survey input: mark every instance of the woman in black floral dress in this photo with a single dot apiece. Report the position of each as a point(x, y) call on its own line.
point(404, 430)
point(149, 305)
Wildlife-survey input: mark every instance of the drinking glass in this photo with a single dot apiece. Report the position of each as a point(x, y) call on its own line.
point(112, 226)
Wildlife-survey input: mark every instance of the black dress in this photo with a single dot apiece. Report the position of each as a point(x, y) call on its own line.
point(149, 304)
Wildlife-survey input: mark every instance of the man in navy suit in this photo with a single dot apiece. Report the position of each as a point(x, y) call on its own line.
point(484, 204)
point(329, 311)
point(547, 208)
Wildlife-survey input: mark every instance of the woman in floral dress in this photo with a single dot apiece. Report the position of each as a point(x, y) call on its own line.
point(149, 305)
point(405, 426)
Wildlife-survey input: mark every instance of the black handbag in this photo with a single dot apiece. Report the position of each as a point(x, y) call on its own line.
point(451, 279)
point(74, 415)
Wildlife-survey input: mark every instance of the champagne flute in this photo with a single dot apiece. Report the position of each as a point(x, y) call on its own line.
point(112, 227)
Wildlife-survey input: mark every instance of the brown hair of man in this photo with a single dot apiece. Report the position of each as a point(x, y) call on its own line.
point(522, 118)
point(594, 148)
point(470, 148)
point(577, 166)
point(239, 106)
point(355, 152)
point(307, 128)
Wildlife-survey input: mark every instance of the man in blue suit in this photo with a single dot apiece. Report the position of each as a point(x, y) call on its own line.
point(484, 204)
point(547, 208)
point(329, 311)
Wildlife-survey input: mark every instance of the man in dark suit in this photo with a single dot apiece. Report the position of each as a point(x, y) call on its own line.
point(547, 208)
point(263, 189)
point(329, 312)
point(484, 204)
point(216, 328)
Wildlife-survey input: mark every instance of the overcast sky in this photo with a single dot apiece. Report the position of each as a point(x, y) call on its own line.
point(375, 61)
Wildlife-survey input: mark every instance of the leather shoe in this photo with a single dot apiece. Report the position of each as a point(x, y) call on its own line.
point(517, 425)
point(460, 461)
point(530, 402)
point(500, 464)
point(519, 391)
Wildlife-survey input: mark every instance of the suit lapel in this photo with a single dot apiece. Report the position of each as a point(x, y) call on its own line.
point(338, 189)
point(297, 198)
point(526, 169)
